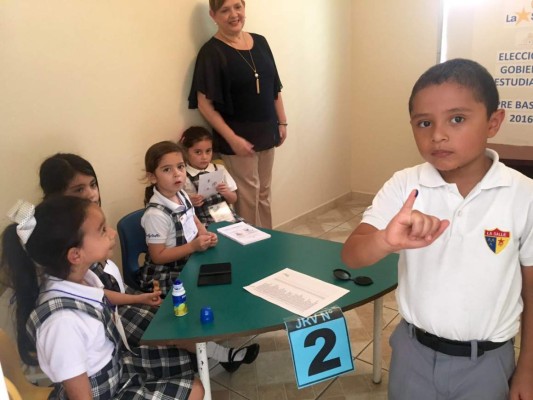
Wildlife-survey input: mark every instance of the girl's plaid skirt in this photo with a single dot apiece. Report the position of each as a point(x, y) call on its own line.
point(148, 373)
point(166, 275)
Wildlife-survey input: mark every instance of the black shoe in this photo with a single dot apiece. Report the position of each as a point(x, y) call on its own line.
point(251, 354)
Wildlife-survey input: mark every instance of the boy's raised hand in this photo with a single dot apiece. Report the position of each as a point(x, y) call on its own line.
point(411, 229)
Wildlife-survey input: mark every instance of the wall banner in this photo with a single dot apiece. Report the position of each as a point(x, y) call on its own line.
point(499, 35)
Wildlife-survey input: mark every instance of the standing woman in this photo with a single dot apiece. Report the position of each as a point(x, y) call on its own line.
point(237, 89)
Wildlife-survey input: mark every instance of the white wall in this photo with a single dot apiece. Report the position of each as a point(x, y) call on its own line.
point(394, 43)
point(106, 79)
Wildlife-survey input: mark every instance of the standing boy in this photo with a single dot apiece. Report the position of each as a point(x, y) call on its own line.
point(463, 225)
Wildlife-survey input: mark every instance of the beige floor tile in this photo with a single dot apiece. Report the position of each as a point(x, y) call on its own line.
point(274, 367)
point(363, 316)
point(239, 341)
point(366, 355)
point(220, 394)
point(271, 392)
point(282, 340)
point(360, 199)
point(337, 234)
point(293, 393)
point(267, 342)
point(312, 228)
point(279, 338)
point(225, 395)
point(328, 389)
point(354, 209)
point(389, 301)
point(360, 322)
point(339, 397)
point(245, 392)
point(245, 376)
point(358, 346)
point(359, 385)
point(352, 223)
point(338, 215)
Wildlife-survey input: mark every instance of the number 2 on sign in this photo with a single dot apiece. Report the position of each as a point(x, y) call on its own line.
point(319, 363)
point(320, 346)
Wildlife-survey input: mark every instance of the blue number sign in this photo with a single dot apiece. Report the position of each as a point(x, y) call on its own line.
point(320, 346)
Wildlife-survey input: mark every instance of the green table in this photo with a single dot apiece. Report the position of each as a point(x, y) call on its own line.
point(239, 313)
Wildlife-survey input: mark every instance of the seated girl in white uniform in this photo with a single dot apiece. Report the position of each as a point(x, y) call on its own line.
point(198, 144)
point(173, 233)
point(70, 174)
point(63, 318)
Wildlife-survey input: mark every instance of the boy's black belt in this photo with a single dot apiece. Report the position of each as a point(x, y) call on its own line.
point(453, 347)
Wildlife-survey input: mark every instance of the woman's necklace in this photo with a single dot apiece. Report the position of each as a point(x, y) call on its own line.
point(252, 65)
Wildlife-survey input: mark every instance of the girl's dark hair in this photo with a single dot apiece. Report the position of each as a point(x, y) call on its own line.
point(58, 229)
point(153, 157)
point(57, 172)
point(467, 73)
point(193, 135)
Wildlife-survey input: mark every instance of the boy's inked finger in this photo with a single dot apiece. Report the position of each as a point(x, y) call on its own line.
point(408, 205)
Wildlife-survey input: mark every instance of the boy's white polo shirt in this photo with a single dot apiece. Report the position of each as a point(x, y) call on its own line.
point(159, 226)
point(70, 342)
point(459, 287)
point(228, 179)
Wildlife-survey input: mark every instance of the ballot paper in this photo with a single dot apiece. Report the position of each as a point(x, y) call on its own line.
point(207, 185)
point(299, 293)
point(243, 233)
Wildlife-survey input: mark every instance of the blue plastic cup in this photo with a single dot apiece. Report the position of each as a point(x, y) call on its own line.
point(206, 315)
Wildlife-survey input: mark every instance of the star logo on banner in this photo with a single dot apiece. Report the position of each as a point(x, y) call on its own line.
point(523, 16)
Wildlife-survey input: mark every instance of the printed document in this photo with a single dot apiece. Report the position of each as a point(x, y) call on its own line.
point(243, 233)
point(299, 293)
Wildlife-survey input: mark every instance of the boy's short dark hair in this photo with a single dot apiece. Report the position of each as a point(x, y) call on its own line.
point(467, 73)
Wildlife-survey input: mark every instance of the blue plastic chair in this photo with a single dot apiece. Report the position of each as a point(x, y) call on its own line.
point(132, 245)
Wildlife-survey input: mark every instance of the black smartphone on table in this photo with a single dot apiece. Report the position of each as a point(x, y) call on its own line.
point(214, 274)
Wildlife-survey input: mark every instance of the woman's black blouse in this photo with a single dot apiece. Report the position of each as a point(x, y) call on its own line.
point(229, 82)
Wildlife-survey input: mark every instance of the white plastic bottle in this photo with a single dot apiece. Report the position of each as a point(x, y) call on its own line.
point(179, 299)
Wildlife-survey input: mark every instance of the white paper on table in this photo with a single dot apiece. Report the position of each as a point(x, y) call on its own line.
point(207, 185)
point(299, 293)
point(243, 233)
point(221, 212)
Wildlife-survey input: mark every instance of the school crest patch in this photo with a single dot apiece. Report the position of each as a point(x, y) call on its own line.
point(497, 240)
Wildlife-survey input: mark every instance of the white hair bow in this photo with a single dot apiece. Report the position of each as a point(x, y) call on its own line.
point(23, 213)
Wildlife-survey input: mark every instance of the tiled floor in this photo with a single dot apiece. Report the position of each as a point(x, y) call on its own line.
point(272, 374)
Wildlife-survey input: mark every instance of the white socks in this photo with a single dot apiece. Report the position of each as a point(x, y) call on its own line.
point(221, 353)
